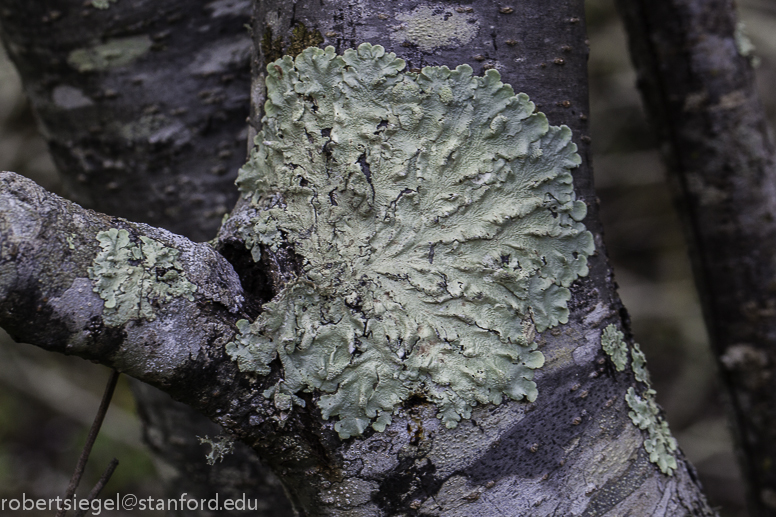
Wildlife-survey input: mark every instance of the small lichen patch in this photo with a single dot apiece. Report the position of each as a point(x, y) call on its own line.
point(612, 341)
point(744, 45)
point(132, 277)
point(433, 27)
point(437, 228)
point(113, 53)
point(639, 364)
point(645, 414)
point(102, 4)
point(220, 446)
point(659, 443)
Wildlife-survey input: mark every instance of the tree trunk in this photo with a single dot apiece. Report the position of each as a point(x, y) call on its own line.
point(696, 76)
point(525, 397)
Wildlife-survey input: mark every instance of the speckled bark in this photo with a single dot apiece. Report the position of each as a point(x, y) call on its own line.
point(574, 451)
point(141, 100)
point(698, 86)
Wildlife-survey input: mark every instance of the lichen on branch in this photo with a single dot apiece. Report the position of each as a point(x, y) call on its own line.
point(438, 230)
point(131, 277)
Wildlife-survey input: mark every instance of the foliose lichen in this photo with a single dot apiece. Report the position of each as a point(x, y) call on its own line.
point(613, 343)
point(438, 230)
point(639, 364)
point(646, 416)
point(132, 277)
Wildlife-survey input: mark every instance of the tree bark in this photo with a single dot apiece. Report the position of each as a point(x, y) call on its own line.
point(573, 451)
point(143, 107)
point(697, 81)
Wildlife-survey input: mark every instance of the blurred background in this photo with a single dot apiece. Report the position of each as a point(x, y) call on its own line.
point(47, 401)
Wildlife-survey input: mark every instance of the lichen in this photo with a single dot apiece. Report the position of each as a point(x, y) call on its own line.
point(113, 53)
point(612, 341)
point(639, 364)
point(659, 443)
point(132, 278)
point(102, 4)
point(437, 227)
point(645, 414)
point(220, 446)
point(433, 27)
point(744, 45)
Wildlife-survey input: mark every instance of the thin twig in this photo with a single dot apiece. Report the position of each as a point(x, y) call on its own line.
point(93, 431)
point(99, 486)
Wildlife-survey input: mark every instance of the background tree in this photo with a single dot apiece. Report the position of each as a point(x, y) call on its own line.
point(566, 103)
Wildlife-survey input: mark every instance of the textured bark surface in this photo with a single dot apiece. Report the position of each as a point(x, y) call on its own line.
point(139, 100)
point(157, 139)
point(575, 451)
point(697, 82)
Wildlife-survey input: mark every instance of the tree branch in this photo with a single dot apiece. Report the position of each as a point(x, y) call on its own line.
point(697, 81)
point(48, 263)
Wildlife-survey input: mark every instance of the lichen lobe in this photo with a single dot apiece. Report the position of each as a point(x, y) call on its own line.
point(644, 413)
point(133, 277)
point(438, 228)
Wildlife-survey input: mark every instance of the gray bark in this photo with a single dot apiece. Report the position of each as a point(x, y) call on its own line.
point(157, 140)
point(574, 451)
point(697, 81)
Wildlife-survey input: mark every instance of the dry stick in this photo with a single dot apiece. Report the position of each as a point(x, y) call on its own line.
point(95, 429)
point(99, 486)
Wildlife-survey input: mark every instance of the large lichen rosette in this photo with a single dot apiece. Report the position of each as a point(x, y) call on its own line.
point(435, 218)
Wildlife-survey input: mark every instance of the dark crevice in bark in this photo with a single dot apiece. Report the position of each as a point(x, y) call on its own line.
point(255, 281)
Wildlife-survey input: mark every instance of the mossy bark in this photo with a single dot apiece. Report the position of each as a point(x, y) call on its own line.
point(697, 82)
point(574, 451)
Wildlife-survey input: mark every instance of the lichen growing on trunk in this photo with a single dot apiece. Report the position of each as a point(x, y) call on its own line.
point(438, 230)
point(645, 413)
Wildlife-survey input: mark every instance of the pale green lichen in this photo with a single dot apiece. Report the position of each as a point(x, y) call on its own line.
point(659, 443)
point(612, 341)
point(433, 27)
point(132, 277)
point(102, 4)
point(113, 53)
point(639, 364)
point(437, 226)
point(220, 446)
point(744, 45)
point(645, 415)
